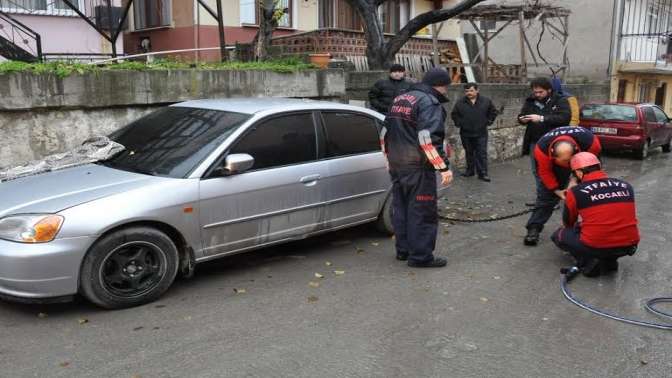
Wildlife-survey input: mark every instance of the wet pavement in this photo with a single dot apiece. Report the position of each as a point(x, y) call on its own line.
point(495, 311)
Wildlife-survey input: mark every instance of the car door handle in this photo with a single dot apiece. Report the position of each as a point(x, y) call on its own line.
point(309, 179)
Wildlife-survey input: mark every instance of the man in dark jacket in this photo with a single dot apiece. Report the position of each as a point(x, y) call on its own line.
point(542, 112)
point(412, 139)
point(384, 91)
point(472, 115)
point(608, 227)
point(552, 156)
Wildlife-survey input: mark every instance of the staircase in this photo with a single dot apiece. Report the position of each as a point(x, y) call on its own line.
point(17, 41)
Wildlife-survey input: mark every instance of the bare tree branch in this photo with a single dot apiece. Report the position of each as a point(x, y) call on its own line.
point(427, 18)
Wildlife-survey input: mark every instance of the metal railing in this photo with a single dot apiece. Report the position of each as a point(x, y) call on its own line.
point(24, 43)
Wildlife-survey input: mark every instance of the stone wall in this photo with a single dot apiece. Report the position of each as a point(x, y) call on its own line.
point(506, 135)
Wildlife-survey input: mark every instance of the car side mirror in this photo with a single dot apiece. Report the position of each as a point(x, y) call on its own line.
point(235, 163)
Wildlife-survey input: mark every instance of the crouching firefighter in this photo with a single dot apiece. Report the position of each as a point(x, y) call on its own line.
point(412, 139)
point(608, 227)
point(552, 155)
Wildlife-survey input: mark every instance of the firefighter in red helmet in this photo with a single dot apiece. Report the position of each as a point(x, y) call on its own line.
point(600, 222)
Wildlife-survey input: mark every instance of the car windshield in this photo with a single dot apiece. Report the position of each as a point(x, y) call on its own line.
point(609, 112)
point(172, 141)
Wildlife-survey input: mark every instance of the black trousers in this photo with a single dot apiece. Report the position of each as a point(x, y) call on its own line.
point(546, 199)
point(476, 154)
point(414, 214)
point(569, 240)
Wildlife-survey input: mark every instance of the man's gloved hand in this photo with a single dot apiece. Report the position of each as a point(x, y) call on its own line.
point(446, 177)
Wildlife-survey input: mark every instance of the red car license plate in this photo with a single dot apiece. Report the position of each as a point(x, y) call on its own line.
point(605, 130)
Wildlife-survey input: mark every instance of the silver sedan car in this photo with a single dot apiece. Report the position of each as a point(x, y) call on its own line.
point(197, 181)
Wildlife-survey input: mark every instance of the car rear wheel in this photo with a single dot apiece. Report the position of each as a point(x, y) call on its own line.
point(667, 147)
point(643, 152)
point(384, 222)
point(128, 268)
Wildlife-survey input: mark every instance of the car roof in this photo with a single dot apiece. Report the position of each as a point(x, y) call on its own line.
point(254, 105)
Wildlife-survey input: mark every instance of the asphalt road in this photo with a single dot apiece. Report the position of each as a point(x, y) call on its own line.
point(495, 311)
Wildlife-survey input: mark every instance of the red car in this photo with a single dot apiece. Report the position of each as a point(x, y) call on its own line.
point(627, 126)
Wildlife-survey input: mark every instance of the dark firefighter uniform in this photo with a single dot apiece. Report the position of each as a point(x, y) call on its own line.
point(553, 176)
point(413, 139)
point(608, 228)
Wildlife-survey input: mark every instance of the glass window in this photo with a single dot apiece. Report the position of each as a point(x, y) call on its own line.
point(151, 13)
point(50, 7)
point(609, 112)
point(249, 12)
point(172, 141)
point(660, 115)
point(349, 134)
point(649, 115)
point(280, 141)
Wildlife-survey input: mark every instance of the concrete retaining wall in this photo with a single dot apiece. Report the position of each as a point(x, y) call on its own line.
point(44, 114)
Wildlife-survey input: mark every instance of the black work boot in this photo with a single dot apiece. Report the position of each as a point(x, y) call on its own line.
point(609, 266)
point(532, 237)
point(438, 262)
point(402, 256)
point(591, 268)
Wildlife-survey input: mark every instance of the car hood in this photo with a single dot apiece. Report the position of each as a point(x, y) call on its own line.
point(55, 191)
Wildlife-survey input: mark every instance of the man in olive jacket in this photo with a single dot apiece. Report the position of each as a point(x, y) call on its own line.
point(472, 115)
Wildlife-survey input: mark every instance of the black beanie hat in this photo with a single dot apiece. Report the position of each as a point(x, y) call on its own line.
point(397, 68)
point(436, 77)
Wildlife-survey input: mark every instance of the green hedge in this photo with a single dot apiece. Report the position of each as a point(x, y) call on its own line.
point(64, 69)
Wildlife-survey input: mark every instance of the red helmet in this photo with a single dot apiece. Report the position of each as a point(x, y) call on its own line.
point(583, 160)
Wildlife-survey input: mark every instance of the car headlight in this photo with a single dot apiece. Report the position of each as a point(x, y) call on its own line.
point(32, 228)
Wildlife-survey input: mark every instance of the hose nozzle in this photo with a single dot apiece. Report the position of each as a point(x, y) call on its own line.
point(570, 272)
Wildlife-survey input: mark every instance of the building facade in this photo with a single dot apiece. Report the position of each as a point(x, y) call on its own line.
point(160, 25)
point(63, 33)
point(642, 58)
point(590, 28)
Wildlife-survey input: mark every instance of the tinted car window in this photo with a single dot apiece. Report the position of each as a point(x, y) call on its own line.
point(172, 141)
point(349, 134)
point(649, 115)
point(280, 141)
point(660, 115)
point(609, 112)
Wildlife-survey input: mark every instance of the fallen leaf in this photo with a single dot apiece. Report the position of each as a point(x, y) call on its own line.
point(138, 328)
point(360, 250)
point(318, 275)
point(314, 284)
point(64, 364)
point(375, 244)
point(312, 299)
point(83, 321)
point(42, 315)
point(484, 299)
point(643, 361)
point(187, 318)
point(159, 306)
point(339, 272)
point(327, 263)
point(239, 291)
point(496, 277)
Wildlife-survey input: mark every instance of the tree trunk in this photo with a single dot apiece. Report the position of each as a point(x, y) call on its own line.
point(380, 53)
point(267, 24)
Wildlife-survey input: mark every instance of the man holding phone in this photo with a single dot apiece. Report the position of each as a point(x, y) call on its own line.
point(542, 112)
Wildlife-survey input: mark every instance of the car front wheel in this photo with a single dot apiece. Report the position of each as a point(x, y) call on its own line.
point(129, 267)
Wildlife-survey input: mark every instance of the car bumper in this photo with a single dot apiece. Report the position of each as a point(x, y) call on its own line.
point(41, 271)
point(613, 142)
